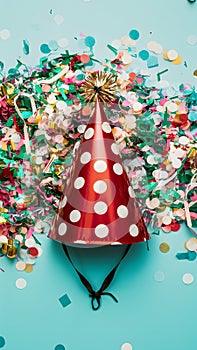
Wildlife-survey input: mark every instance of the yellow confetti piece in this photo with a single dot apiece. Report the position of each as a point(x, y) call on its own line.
point(29, 268)
point(164, 247)
point(2, 220)
point(195, 73)
point(178, 60)
point(165, 55)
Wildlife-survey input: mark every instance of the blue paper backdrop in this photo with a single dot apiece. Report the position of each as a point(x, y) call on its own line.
point(150, 315)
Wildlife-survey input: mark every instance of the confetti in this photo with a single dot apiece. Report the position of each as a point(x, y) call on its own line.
point(157, 124)
point(29, 268)
point(164, 247)
point(58, 19)
point(126, 346)
point(159, 276)
point(59, 347)
point(64, 300)
point(2, 342)
point(5, 34)
point(21, 283)
point(20, 265)
point(188, 278)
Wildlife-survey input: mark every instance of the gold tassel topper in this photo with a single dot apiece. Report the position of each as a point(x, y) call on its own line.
point(100, 85)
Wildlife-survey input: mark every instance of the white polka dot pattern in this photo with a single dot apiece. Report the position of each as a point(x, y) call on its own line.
point(131, 192)
point(101, 231)
point(115, 148)
point(133, 230)
point(62, 229)
point(100, 166)
point(100, 208)
point(75, 215)
point(100, 186)
point(89, 133)
point(85, 158)
point(79, 182)
point(106, 127)
point(63, 202)
point(118, 169)
point(122, 211)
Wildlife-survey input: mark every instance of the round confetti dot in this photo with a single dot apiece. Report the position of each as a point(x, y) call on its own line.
point(90, 41)
point(159, 276)
point(75, 215)
point(195, 73)
point(117, 168)
point(172, 55)
point(44, 48)
point(29, 268)
point(134, 34)
point(176, 163)
point(58, 19)
point(192, 39)
point(100, 208)
point(164, 247)
point(131, 192)
point(115, 148)
point(21, 283)
point(183, 140)
point(144, 55)
point(33, 252)
point(122, 211)
point(15, 138)
point(178, 60)
point(172, 107)
point(62, 42)
point(100, 166)
point(60, 347)
point(19, 238)
point(2, 342)
point(3, 239)
point(85, 58)
point(137, 106)
point(188, 278)
point(100, 186)
point(4, 34)
point(38, 160)
point(81, 128)
point(126, 346)
point(62, 229)
point(106, 127)
point(89, 133)
point(53, 45)
point(29, 242)
point(63, 202)
point(133, 230)
point(20, 265)
point(101, 231)
point(61, 105)
point(166, 220)
point(79, 182)
point(85, 158)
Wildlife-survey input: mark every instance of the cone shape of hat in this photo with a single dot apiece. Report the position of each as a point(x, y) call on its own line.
point(98, 206)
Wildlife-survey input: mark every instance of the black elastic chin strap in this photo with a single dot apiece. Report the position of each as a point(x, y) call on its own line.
point(96, 295)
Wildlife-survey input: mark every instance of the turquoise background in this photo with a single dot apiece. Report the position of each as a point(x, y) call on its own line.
point(150, 315)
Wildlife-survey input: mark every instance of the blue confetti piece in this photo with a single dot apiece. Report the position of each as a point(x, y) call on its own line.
point(192, 116)
point(64, 300)
point(53, 45)
point(152, 62)
point(26, 47)
point(2, 342)
point(144, 55)
point(134, 34)
point(90, 41)
point(44, 48)
point(60, 347)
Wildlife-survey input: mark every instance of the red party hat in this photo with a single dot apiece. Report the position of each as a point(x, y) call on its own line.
point(98, 206)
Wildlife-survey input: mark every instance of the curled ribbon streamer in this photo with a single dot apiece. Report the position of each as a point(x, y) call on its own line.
point(34, 110)
point(54, 78)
